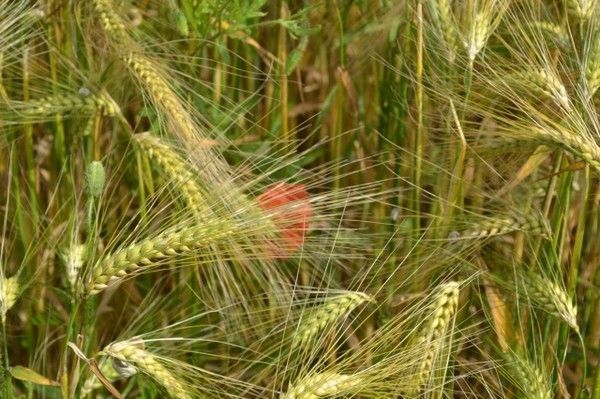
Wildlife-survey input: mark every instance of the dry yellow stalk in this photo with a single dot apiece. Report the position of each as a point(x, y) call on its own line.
point(323, 385)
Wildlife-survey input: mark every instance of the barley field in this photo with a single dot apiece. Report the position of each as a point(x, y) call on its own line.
point(300, 199)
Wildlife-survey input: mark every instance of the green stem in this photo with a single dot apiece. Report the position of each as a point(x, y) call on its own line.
point(63, 371)
point(5, 377)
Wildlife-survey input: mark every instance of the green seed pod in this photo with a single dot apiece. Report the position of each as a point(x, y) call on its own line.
point(95, 177)
point(181, 22)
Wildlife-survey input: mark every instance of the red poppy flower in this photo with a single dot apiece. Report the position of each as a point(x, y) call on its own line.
point(291, 212)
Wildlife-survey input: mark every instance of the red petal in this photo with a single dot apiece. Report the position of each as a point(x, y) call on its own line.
point(291, 211)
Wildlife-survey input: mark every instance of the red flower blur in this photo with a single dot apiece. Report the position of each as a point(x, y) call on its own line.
point(291, 212)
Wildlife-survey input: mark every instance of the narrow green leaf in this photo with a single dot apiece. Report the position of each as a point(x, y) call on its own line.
point(28, 375)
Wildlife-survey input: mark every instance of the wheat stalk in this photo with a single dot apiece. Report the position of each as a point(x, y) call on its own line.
point(149, 252)
point(323, 385)
point(431, 339)
point(133, 354)
point(9, 292)
point(325, 315)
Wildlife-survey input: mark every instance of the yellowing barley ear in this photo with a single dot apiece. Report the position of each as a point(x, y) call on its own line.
point(111, 21)
point(318, 319)
point(433, 336)
point(9, 292)
point(532, 382)
point(322, 385)
point(551, 297)
point(132, 354)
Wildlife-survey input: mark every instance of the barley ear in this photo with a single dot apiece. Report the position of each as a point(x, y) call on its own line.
point(177, 170)
point(112, 369)
point(434, 333)
point(530, 380)
point(553, 32)
point(9, 292)
point(185, 239)
point(551, 297)
point(129, 354)
point(592, 71)
point(546, 83)
point(442, 12)
point(323, 385)
point(582, 9)
point(506, 225)
point(73, 258)
point(323, 316)
point(479, 32)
